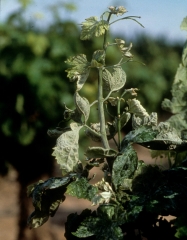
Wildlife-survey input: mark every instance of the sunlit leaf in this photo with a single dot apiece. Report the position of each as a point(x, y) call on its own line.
point(114, 80)
point(66, 150)
point(79, 69)
point(117, 10)
point(93, 28)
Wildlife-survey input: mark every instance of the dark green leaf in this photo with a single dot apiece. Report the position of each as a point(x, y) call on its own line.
point(46, 195)
point(124, 167)
point(101, 228)
point(81, 189)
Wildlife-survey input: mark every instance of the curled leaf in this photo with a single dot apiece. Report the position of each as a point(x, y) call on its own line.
point(82, 105)
point(98, 58)
point(99, 152)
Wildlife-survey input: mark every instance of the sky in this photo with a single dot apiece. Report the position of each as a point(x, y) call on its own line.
point(161, 18)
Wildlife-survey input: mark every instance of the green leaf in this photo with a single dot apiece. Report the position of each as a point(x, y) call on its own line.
point(139, 135)
point(93, 28)
point(101, 228)
point(79, 70)
point(183, 25)
point(99, 152)
point(98, 58)
point(184, 55)
point(177, 104)
point(115, 80)
point(124, 166)
point(82, 105)
point(74, 220)
point(37, 219)
point(46, 195)
point(66, 150)
point(81, 189)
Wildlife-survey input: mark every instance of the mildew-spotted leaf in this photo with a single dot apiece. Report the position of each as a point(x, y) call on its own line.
point(114, 80)
point(98, 58)
point(79, 69)
point(82, 105)
point(99, 152)
point(124, 166)
point(66, 150)
point(93, 28)
point(136, 108)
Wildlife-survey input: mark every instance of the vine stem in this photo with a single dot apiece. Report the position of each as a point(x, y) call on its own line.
point(119, 123)
point(100, 96)
point(101, 110)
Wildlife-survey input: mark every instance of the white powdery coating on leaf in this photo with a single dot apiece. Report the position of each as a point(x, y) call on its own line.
point(66, 150)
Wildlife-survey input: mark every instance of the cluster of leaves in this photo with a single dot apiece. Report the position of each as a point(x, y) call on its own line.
point(131, 195)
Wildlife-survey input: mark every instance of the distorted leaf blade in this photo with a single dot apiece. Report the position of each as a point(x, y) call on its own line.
point(99, 152)
point(82, 105)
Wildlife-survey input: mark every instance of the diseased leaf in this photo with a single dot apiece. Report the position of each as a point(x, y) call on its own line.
point(150, 120)
point(66, 150)
point(46, 196)
point(37, 219)
point(125, 50)
point(82, 105)
point(115, 80)
point(81, 189)
point(177, 104)
point(93, 28)
point(139, 135)
point(124, 166)
point(183, 25)
point(99, 152)
point(100, 228)
point(98, 58)
point(184, 55)
point(79, 69)
point(136, 108)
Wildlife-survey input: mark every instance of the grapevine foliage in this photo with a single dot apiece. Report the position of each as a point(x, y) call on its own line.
point(131, 195)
